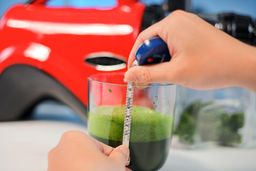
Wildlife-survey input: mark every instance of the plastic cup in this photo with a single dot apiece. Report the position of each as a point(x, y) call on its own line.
point(152, 118)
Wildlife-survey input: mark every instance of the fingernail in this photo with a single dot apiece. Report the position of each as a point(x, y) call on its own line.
point(125, 78)
point(124, 149)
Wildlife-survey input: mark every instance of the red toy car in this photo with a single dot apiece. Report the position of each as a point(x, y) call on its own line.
point(48, 53)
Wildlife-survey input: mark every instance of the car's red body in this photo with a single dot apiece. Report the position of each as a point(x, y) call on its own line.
point(58, 41)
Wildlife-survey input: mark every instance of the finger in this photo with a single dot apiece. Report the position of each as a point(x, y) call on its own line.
point(121, 155)
point(106, 149)
point(127, 169)
point(73, 136)
point(159, 73)
point(103, 147)
point(144, 35)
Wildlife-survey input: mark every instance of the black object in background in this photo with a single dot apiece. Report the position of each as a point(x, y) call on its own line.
point(241, 27)
point(155, 12)
point(179, 4)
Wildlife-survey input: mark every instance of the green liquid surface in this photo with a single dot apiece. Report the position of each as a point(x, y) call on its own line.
point(150, 133)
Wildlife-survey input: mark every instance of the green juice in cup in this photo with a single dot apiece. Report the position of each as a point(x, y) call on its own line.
point(150, 134)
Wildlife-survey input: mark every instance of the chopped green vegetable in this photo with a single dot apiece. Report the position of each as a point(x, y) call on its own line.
point(214, 125)
point(187, 125)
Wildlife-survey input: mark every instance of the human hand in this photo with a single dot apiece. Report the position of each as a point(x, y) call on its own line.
point(203, 57)
point(77, 151)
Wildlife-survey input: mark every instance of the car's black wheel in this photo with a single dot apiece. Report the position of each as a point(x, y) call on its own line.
point(22, 87)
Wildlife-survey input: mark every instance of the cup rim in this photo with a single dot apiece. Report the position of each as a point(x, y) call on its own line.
point(90, 78)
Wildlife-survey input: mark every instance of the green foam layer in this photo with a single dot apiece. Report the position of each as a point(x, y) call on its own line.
point(147, 125)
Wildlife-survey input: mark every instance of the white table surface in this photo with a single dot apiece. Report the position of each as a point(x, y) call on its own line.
point(24, 146)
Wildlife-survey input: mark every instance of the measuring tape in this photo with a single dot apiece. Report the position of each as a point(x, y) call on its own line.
point(152, 51)
point(128, 113)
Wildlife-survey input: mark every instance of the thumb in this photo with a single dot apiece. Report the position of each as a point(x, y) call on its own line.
point(121, 155)
point(149, 74)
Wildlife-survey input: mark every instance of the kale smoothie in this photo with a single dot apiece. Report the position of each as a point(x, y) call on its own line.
point(150, 134)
